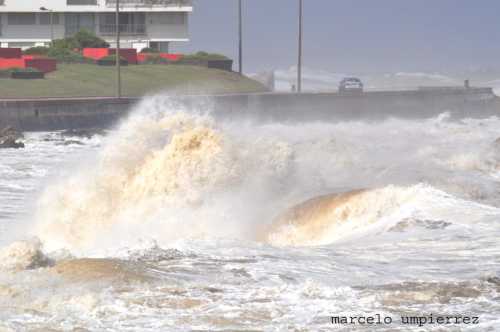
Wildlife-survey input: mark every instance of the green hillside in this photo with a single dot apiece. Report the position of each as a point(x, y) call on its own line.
point(85, 80)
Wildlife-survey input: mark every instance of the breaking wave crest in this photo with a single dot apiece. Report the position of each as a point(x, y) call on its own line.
point(169, 174)
point(335, 217)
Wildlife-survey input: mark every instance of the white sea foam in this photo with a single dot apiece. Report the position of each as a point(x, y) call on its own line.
point(342, 217)
point(160, 224)
point(168, 174)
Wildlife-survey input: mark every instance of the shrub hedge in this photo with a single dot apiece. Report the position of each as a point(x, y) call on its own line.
point(24, 70)
point(81, 39)
point(63, 50)
point(21, 73)
point(204, 56)
point(65, 55)
point(37, 50)
point(112, 57)
point(149, 50)
point(154, 59)
point(110, 60)
point(5, 73)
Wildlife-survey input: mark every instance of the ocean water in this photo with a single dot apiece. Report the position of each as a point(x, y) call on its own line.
point(177, 221)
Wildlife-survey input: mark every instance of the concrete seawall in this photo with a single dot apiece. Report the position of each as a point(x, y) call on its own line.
point(55, 114)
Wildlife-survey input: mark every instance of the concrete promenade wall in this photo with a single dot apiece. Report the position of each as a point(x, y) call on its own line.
point(54, 114)
point(57, 114)
point(368, 106)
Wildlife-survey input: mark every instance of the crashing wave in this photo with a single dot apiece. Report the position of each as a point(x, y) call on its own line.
point(167, 174)
point(23, 255)
point(171, 175)
point(331, 218)
point(325, 219)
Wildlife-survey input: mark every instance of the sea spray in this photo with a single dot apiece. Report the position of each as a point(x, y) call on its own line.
point(420, 239)
point(22, 255)
point(172, 175)
point(168, 173)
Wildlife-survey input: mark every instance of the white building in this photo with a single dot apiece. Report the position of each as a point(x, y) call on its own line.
point(143, 23)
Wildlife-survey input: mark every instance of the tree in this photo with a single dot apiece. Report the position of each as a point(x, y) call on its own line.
point(82, 39)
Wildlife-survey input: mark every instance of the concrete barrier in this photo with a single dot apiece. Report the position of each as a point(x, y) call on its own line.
point(54, 114)
point(58, 114)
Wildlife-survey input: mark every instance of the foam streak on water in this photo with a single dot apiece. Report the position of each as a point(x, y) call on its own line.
point(178, 222)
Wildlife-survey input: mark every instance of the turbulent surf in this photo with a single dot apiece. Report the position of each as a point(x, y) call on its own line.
point(177, 219)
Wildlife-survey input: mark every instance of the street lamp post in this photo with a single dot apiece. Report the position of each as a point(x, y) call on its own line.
point(240, 23)
point(118, 58)
point(299, 65)
point(51, 14)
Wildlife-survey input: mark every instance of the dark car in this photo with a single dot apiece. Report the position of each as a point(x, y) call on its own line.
point(351, 84)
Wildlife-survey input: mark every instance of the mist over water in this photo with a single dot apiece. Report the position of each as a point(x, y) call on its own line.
point(315, 80)
point(177, 220)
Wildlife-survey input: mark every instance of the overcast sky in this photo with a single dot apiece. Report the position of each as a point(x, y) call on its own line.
point(353, 35)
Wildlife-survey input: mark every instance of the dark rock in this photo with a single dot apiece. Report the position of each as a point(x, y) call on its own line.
point(404, 224)
point(85, 133)
point(11, 132)
point(10, 143)
point(70, 142)
point(9, 137)
point(494, 280)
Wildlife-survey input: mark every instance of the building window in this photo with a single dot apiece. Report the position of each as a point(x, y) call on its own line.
point(45, 18)
point(75, 22)
point(130, 23)
point(81, 2)
point(169, 18)
point(21, 19)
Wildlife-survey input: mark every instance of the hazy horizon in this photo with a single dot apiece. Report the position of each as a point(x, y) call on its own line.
point(354, 36)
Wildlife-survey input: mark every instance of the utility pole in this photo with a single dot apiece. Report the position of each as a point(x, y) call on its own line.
point(240, 22)
point(51, 18)
point(299, 65)
point(118, 57)
point(51, 26)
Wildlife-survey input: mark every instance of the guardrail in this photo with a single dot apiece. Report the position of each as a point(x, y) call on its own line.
point(179, 3)
point(81, 2)
point(127, 29)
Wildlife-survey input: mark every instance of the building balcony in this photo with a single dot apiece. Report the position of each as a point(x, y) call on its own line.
point(151, 3)
point(125, 29)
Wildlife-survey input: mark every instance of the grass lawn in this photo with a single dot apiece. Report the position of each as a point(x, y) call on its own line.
point(85, 80)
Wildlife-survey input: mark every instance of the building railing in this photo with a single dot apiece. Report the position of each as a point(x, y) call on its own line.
point(180, 3)
point(126, 29)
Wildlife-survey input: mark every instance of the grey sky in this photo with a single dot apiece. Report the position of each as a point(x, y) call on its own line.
point(354, 35)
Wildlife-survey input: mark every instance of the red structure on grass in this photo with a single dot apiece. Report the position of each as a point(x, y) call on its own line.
point(10, 53)
point(13, 58)
point(45, 65)
point(7, 63)
point(130, 54)
point(142, 57)
point(95, 53)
